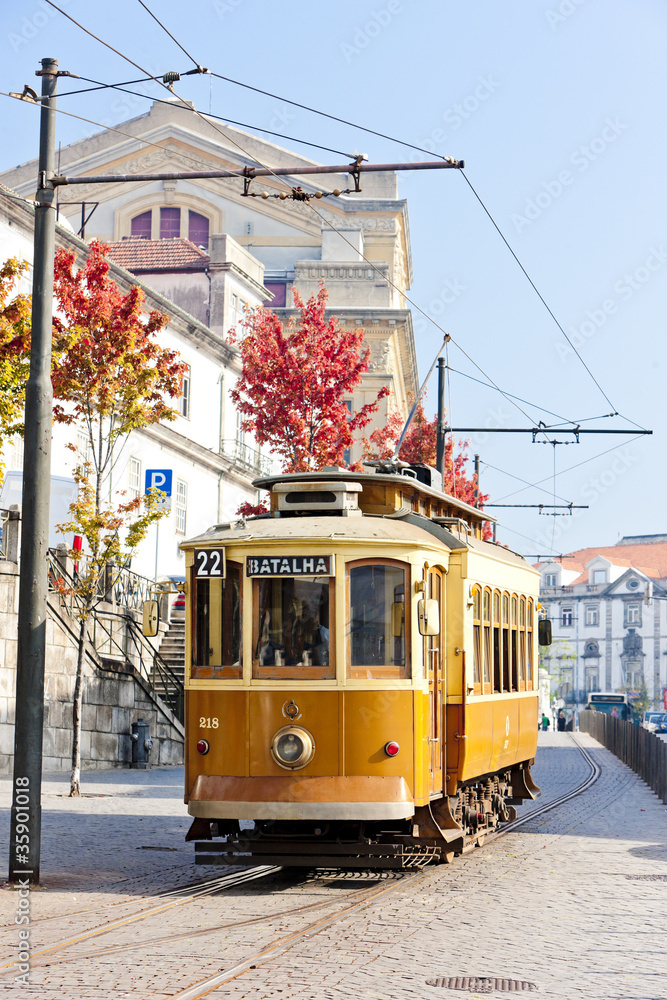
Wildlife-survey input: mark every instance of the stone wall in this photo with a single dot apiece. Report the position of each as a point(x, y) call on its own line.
point(112, 700)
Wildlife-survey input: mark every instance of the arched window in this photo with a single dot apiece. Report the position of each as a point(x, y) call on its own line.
point(141, 226)
point(378, 619)
point(198, 229)
point(170, 223)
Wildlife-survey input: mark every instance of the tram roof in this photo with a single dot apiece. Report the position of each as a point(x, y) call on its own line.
point(328, 527)
point(338, 474)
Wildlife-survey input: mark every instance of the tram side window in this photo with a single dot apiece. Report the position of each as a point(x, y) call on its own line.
point(486, 611)
point(477, 638)
point(217, 626)
point(376, 625)
point(522, 643)
point(292, 628)
point(529, 644)
point(497, 668)
point(514, 643)
point(506, 644)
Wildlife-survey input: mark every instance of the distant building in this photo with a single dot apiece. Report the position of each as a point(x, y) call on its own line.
point(608, 609)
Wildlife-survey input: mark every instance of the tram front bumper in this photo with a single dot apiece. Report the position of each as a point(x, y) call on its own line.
point(299, 797)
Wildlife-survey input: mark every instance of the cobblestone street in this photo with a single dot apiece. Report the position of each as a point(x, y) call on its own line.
point(573, 902)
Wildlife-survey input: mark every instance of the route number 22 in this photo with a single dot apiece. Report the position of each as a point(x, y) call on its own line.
point(210, 562)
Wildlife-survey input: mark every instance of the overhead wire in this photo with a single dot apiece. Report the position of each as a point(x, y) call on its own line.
point(570, 468)
point(504, 472)
point(472, 378)
point(107, 128)
point(535, 288)
point(191, 58)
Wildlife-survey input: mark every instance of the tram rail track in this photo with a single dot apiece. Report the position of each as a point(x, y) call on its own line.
point(357, 898)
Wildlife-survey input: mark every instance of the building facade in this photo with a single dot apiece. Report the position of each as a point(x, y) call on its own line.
point(608, 609)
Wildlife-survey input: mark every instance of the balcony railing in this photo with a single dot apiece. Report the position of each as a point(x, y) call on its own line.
point(246, 457)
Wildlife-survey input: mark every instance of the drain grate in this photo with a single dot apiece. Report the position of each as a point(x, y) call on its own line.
point(482, 984)
point(647, 878)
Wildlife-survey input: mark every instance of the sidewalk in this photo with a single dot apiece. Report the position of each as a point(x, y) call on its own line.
point(125, 832)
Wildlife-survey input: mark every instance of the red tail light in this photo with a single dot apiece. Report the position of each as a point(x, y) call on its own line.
point(391, 748)
point(202, 746)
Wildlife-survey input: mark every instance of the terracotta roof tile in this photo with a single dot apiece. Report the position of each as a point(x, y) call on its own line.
point(135, 254)
point(650, 558)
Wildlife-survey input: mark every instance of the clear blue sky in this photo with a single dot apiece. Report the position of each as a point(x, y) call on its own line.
point(557, 109)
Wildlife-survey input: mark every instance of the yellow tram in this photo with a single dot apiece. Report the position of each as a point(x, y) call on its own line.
point(361, 678)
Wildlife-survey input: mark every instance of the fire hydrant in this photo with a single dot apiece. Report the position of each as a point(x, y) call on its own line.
point(142, 744)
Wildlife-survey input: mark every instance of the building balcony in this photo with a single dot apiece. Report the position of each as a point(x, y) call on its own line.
point(249, 459)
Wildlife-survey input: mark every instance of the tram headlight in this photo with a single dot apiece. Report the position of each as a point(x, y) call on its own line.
point(292, 747)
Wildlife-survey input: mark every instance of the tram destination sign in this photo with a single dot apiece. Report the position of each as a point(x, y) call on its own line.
point(290, 565)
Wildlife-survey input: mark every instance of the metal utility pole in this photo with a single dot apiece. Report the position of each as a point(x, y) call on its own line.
point(24, 856)
point(476, 501)
point(440, 439)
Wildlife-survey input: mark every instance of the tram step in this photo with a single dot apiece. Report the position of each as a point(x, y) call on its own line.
point(300, 861)
point(310, 848)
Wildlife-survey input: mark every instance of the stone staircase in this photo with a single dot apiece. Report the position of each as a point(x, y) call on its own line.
point(172, 650)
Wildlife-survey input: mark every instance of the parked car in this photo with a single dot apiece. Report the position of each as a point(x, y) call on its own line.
point(177, 613)
point(662, 724)
point(654, 721)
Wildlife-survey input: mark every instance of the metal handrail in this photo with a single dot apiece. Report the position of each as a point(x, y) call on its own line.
point(157, 672)
point(172, 688)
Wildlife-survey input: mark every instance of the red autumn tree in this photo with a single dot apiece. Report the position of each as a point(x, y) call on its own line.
point(110, 376)
point(292, 388)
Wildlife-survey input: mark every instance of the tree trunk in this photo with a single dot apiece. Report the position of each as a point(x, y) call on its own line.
point(75, 777)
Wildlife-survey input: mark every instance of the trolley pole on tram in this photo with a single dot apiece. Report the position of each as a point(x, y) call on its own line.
point(440, 438)
point(25, 837)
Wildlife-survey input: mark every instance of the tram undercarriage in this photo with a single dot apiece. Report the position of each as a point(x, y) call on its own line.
point(436, 833)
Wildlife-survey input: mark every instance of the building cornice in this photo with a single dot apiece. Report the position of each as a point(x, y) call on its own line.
point(219, 464)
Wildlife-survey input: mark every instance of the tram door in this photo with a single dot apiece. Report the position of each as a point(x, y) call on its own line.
point(433, 659)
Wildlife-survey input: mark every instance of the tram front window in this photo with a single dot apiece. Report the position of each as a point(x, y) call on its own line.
point(217, 645)
point(376, 625)
point(292, 628)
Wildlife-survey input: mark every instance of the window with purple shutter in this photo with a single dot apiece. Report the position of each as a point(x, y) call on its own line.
point(170, 223)
point(198, 229)
point(141, 226)
point(279, 289)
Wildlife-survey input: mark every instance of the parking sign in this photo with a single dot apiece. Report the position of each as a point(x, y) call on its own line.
point(160, 479)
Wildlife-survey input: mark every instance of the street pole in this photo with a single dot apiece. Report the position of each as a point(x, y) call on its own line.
point(24, 855)
point(440, 437)
point(476, 500)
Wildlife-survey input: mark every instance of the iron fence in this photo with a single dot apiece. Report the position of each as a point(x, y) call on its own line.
point(641, 750)
point(116, 636)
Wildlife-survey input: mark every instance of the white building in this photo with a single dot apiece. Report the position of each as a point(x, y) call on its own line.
point(608, 609)
point(211, 465)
